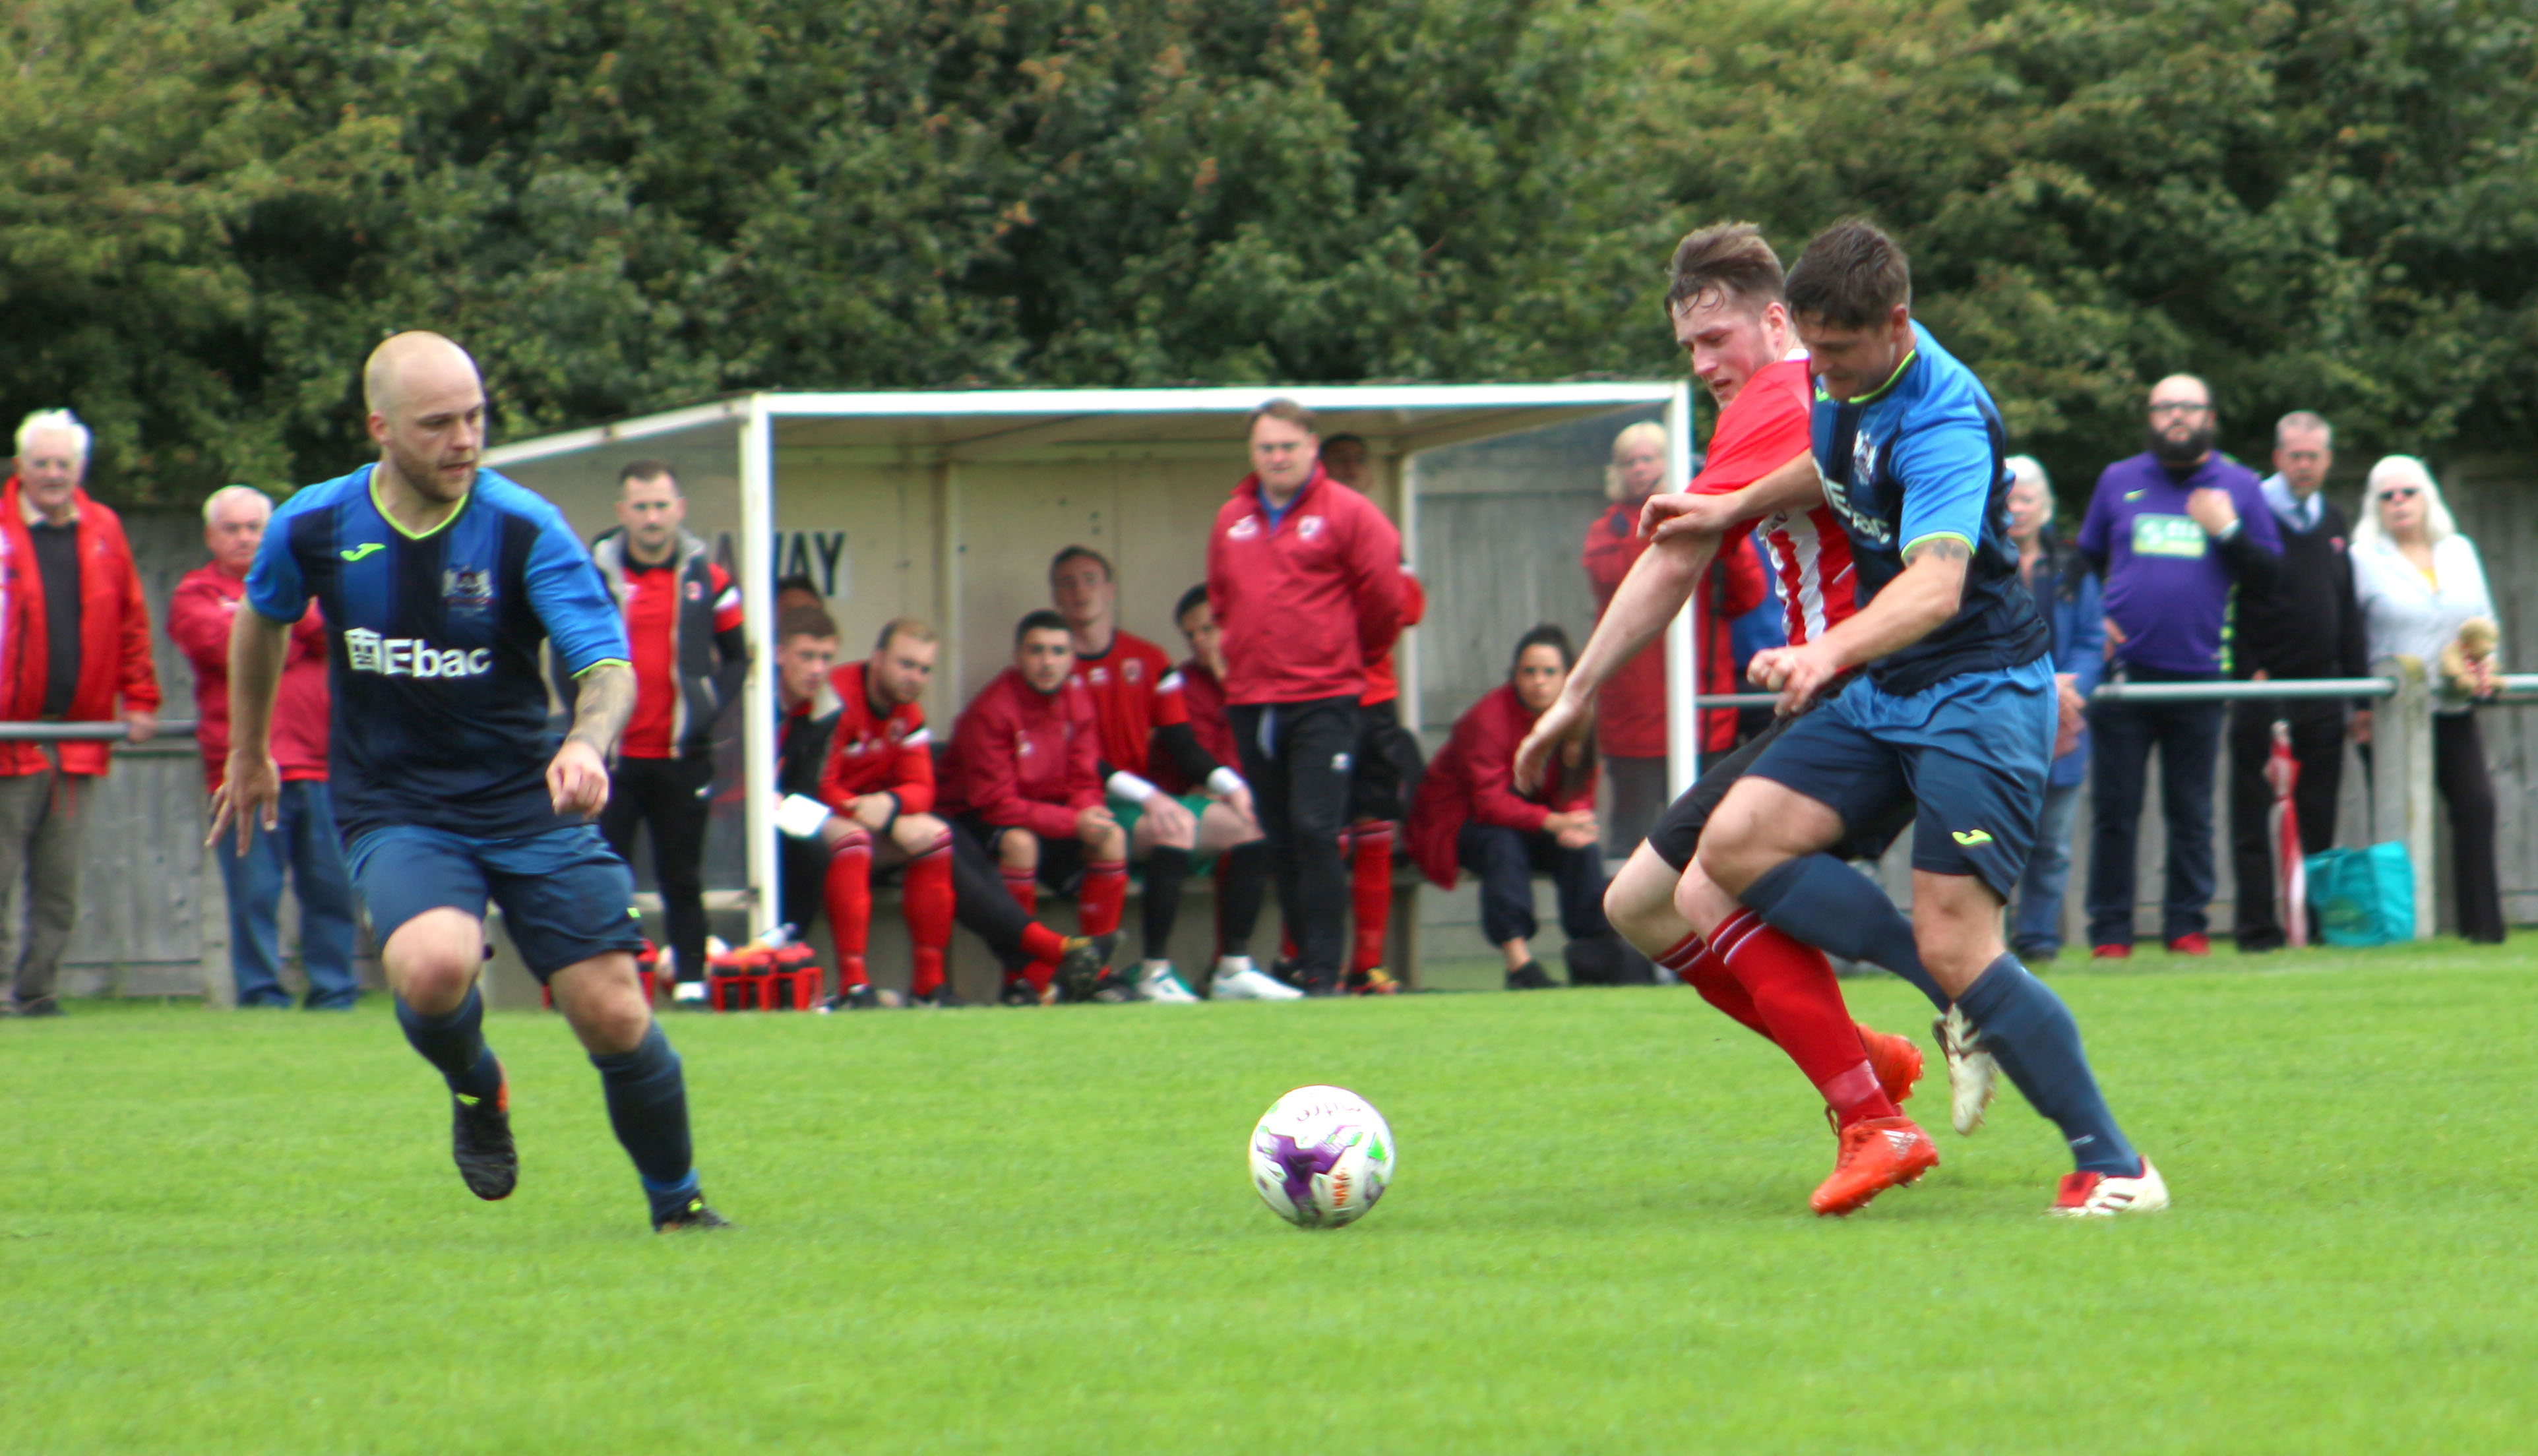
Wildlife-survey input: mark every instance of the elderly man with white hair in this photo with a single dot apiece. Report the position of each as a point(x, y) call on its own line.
point(79, 636)
point(201, 614)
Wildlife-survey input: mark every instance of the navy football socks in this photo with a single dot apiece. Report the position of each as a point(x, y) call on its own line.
point(2030, 1032)
point(455, 1043)
point(647, 1105)
point(1818, 900)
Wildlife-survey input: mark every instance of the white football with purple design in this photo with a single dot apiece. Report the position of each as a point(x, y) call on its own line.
point(1321, 1155)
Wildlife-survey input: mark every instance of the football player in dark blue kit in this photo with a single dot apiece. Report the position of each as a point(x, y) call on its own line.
point(1938, 691)
point(440, 582)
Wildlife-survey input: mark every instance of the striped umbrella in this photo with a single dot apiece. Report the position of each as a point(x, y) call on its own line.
point(2291, 870)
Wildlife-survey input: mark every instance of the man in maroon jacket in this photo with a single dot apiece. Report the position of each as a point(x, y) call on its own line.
point(74, 638)
point(1304, 578)
point(1025, 778)
point(304, 841)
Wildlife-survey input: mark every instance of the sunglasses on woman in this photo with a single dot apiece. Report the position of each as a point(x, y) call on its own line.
point(2400, 493)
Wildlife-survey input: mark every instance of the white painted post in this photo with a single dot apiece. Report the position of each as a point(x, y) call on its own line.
point(758, 691)
point(2401, 778)
point(1681, 653)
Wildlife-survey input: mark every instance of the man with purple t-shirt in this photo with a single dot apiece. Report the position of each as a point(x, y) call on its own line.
point(2173, 532)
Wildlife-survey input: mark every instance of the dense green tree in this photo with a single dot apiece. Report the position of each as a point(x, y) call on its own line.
point(209, 209)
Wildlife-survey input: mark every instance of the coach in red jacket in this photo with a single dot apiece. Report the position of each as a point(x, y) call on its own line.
point(1025, 778)
point(74, 640)
point(1469, 816)
point(1304, 578)
point(1631, 710)
point(305, 841)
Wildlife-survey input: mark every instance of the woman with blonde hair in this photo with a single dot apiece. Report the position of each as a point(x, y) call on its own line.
point(2419, 582)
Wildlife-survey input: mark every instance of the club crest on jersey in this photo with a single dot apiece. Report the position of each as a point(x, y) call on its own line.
point(1131, 670)
point(696, 591)
point(466, 589)
point(1309, 527)
point(366, 651)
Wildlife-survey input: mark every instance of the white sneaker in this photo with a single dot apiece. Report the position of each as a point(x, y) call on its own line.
point(1972, 1073)
point(2103, 1196)
point(1237, 979)
point(688, 990)
point(1158, 982)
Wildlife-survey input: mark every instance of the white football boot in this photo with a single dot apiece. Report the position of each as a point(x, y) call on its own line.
point(2103, 1196)
point(1237, 979)
point(1972, 1073)
point(1158, 982)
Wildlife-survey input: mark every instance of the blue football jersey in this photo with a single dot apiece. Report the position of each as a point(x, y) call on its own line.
point(1923, 457)
point(439, 712)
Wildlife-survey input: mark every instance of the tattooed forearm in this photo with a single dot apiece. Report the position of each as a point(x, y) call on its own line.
point(1938, 548)
point(606, 700)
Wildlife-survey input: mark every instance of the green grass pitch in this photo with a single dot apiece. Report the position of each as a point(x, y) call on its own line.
point(1031, 1231)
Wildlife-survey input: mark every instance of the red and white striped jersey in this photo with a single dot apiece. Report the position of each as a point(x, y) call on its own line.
point(1761, 430)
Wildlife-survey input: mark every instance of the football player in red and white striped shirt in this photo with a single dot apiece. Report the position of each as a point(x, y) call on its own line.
point(1728, 314)
point(1143, 727)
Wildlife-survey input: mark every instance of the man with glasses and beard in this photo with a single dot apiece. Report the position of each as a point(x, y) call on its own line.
point(2173, 532)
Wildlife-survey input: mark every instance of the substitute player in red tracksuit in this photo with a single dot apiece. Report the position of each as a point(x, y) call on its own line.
point(1305, 577)
point(1728, 312)
point(1631, 710)
point(878, 781)
point(1024, 780)
point(1469, 815)
point(1241, 872)
point(1145, 725)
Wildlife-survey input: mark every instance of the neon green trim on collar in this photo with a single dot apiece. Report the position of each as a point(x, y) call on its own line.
point(1871, 396)
point(398, 526)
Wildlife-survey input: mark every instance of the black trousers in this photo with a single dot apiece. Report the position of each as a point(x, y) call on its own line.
point(2467, 791)
point(1506, 860)
point(1299, 784)
point(676, 796)
point(2317, 742)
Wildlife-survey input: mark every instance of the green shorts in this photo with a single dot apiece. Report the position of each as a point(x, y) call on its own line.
point(1196, 804)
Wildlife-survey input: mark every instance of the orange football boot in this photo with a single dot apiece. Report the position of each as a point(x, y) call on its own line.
point(1877, 1153)
point(1895, 1060)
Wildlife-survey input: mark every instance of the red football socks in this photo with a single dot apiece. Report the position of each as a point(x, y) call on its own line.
point(847, 891)
point(1105, 894)
point(927, 902)
point(1370, 890)
point(1794, 992)
point(1692, 965)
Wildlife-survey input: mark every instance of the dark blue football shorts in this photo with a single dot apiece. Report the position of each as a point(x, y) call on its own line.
point(1968, 752)
point(566, 897)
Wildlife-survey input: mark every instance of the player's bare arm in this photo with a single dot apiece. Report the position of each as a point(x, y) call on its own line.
point(1661, 582)
point(578, 778)
point(1911, 606)
point(1794, 485)
point(250, 792)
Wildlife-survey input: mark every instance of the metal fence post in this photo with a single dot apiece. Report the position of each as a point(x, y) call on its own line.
point(2401, 787)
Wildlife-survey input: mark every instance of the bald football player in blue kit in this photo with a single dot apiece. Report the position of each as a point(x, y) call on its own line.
point(440, 582)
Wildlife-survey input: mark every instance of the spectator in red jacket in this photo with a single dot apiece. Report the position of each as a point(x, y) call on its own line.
point(1241, 872)
point(74, 640)
point(304, 841)
point(1305, 577)
point(1631, 710)
point(1024, 780)
point(1469, 816)
point(1384, 771)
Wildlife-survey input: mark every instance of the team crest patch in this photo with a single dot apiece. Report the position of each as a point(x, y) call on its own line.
point(1309, 527)
point(1132, 670)
point(467, 589)
point(696, 591)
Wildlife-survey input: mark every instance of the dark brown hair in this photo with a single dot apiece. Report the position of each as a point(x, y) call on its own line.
point(647, 470)
point(1081, 553)
point(1728, 258)
point(1851, 277)
point(804, 622)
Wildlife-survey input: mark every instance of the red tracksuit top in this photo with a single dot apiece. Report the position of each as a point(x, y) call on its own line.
point(1383, 684)
point(1307, 603)
point(889, 755)
point(1133, 692)
point(200, 612)
point(1025, 759)
point(1202, 697)
point(1631, 707)
point(1472, 779)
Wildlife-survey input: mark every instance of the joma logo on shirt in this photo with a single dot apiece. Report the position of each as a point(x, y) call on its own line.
point(366, 651)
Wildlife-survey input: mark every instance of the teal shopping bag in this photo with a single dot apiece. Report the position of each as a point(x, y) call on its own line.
point(2364, 897)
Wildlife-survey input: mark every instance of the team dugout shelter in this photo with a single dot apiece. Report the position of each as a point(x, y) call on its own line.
point(947, 506)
